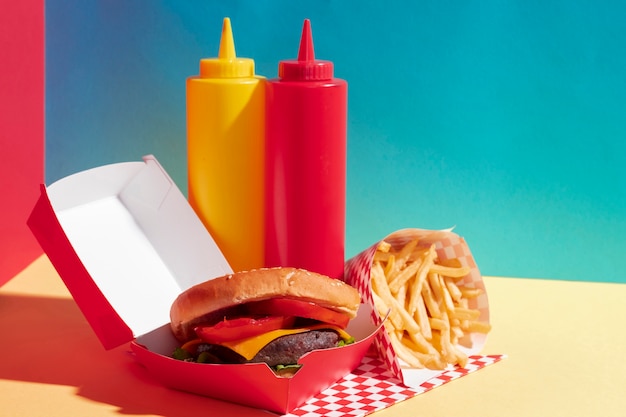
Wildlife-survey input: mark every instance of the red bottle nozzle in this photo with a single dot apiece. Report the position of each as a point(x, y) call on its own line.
point(306, 67)
point(306, 51)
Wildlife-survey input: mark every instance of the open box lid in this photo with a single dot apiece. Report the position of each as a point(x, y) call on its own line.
point(126, 242)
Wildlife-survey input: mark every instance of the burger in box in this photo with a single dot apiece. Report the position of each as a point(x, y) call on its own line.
point(270, 315)
point(123, 235)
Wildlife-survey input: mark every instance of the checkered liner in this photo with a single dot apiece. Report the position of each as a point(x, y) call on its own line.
point(371, 387)
point(448, 245)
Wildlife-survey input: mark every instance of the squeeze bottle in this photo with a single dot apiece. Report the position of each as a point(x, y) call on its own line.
point(225, 148)
point(306, 135)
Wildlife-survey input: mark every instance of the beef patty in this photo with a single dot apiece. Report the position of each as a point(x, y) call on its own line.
point(287, 350)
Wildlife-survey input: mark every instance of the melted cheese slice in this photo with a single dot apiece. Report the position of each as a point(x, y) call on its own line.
point(249, 347)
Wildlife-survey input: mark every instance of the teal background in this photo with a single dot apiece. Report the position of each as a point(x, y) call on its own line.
point(505, 119)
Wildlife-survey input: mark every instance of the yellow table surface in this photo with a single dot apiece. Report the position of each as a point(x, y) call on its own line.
point(565, 342)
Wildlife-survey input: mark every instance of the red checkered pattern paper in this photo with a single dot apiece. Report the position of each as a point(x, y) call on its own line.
point(371, 387)
point(448, 245)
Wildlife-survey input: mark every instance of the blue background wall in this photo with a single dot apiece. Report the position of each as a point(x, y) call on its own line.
point(505, 119)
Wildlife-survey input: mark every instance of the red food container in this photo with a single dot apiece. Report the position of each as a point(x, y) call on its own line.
point(126, 242)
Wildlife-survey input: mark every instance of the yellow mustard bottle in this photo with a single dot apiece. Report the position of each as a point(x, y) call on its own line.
point(225, 152)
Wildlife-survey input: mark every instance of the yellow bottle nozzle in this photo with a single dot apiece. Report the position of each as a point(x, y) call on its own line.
point(226, 65)
point(227, 43)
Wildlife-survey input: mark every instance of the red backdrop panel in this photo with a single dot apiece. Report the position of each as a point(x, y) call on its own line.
point(21, 129)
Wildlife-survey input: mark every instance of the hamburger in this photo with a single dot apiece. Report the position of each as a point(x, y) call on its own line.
point(267, 315)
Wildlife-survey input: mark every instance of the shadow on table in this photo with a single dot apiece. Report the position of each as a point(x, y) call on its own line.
point(47, 340)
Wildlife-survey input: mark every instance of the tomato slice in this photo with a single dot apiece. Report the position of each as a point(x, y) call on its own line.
point(241, 328)
point(289, 307)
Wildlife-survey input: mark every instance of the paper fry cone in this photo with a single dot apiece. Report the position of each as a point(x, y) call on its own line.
point(448, 245)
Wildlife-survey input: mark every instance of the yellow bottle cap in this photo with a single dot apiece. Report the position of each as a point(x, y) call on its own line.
point(226, 65)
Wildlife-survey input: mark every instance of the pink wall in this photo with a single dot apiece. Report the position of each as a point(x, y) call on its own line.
point(21, 129)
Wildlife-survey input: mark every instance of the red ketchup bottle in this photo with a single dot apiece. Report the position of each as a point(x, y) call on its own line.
point(305, 164)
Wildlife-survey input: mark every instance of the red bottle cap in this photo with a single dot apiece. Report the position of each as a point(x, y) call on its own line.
point(306, 67)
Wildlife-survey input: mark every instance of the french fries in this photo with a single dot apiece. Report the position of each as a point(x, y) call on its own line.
point(429, 314)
